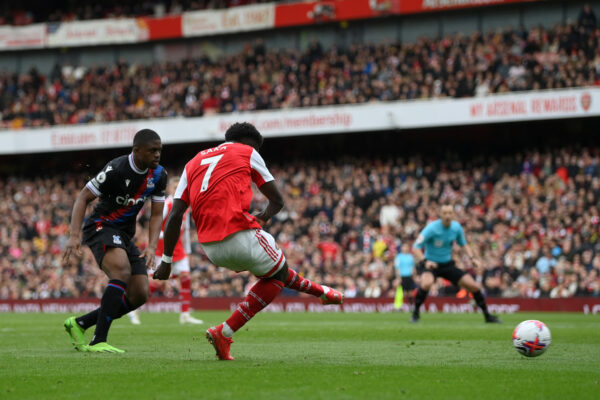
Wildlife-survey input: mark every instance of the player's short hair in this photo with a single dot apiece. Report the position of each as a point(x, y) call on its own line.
point(446, 205)
point(243, 130)
point(144, 137)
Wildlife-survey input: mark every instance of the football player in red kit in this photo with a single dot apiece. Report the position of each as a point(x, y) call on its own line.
point(216, 184)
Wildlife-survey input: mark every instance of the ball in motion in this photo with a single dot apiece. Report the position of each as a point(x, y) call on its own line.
point(531, 338)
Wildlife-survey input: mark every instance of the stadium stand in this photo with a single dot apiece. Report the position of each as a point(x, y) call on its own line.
point(533, 217)
point(259, 78)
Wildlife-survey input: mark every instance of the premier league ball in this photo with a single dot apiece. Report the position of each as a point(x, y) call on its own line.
point(531, 338)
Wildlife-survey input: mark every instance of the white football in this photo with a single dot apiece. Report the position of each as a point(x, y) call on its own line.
point(531, 338)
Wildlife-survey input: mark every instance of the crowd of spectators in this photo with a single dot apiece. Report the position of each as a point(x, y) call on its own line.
point(260, 78)
point(31, 11)
point(532, 218)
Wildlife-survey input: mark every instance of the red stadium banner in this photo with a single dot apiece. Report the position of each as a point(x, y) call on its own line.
point(162, 28)
point(312, 12)
point(419, 6)
point(586, 305)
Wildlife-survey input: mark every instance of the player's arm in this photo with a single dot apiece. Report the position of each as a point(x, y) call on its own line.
point(272, 193)
point(84, 198)
point(171, 235)
point(265, 182)
point(173, 227)
point(156, 220)
point(420, 256)
point(94, 188)
point(419, 246)
point(185, 235)
point(470, 254)
point(154, 227)
point(418, 253)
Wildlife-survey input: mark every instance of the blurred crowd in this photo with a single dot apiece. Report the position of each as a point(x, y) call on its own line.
point(532, 218)
point(30, 11)
point(260, 78)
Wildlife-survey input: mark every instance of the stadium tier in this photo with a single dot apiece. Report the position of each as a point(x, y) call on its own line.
point(260, 78)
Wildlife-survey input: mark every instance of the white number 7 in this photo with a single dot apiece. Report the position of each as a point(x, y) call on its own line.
point(213, 163)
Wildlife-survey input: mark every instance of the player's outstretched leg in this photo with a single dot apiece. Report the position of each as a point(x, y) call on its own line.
point(111, 306)
point(86, 321)
point(117, 299)
point(325, 293)
point(259, 296)
point(185, 296)
point(125, 307)
point(76, 327)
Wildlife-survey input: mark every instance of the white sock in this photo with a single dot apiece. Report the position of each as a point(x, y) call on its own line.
point(227, 331)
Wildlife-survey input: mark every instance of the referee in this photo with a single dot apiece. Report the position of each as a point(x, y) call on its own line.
point(437, 239)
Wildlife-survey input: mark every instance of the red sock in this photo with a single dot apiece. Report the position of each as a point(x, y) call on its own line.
point(185, 294)
point(259, 296)
point(296, 282)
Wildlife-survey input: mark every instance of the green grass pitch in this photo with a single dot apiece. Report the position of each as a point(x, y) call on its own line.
point(303, 356)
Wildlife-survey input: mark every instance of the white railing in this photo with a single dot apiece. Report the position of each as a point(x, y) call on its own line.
point(369, 117)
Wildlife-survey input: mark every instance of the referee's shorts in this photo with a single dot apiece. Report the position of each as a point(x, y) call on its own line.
point(447, 271)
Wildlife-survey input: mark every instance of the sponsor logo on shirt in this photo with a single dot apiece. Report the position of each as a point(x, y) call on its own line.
point(127, 201)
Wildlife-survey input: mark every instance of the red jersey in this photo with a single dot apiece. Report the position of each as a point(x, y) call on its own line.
point(179, 252)
point(217, 185)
